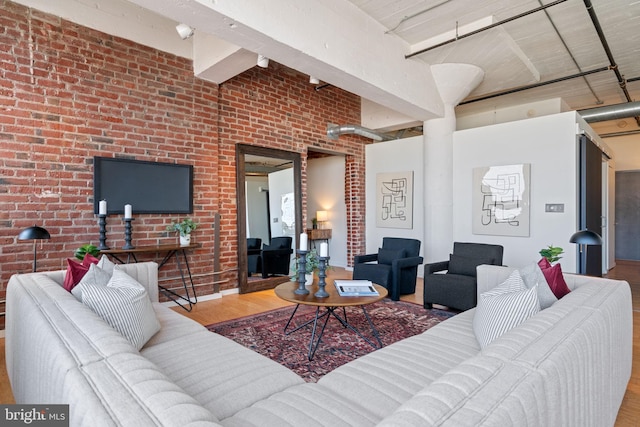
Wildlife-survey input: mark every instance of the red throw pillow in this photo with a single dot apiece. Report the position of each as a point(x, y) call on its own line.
point(77, 270)
point(555, 280)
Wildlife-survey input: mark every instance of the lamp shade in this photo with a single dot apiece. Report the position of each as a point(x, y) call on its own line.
point(586, 237)
point(34, 233)
point(322, 216)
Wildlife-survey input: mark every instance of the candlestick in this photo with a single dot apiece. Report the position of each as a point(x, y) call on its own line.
point(304, 242)
point(102, 222)
point(324, 249)
point(102, 207)
point(302, 272)
point(127, 234)
point(128, 211)
point(322, 273)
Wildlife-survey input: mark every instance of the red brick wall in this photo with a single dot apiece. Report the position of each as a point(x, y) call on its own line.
point(69, 93)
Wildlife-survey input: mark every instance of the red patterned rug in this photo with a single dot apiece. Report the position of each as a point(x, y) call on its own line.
point(264, 333)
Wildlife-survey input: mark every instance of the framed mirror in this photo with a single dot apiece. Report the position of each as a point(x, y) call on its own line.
point(264, 212)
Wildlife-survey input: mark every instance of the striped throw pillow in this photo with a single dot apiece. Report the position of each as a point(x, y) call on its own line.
point(125, 305)
point(503, 308)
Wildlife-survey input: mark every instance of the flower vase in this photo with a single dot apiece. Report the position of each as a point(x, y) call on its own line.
point(185, 240)
point(309, 277)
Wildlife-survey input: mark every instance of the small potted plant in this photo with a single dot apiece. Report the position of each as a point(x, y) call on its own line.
point(184, 227)
point(552, 253)
point(312, 265)
point(83, 250)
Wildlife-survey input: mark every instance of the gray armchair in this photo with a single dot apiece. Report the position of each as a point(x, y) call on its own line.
point(395, 266)
point(457, 288)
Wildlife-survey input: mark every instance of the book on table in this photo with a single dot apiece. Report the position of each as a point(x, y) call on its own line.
point(355, 288)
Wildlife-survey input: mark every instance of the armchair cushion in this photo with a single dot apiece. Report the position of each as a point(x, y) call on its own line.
point(465, 265)
point(387, 256)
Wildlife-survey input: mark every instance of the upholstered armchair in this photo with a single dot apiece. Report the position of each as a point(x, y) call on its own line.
point(395, 266)
point(254, 261)
point(276, 256)
point(457, 288)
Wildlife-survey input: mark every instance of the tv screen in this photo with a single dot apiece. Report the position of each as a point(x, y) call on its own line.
point(149, 187)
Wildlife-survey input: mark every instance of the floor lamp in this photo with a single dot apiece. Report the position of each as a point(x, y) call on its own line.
point(34, 233)
point(585, 238)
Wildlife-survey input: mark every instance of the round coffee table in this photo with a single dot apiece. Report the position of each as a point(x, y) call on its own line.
point(329, 304)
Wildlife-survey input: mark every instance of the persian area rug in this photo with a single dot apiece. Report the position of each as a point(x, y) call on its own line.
point(264, 333)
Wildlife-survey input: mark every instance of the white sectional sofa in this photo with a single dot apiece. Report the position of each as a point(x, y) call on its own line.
point(568, 365)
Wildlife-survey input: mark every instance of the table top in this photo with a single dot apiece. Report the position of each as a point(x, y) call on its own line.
point(151, 248)
point(285, 291)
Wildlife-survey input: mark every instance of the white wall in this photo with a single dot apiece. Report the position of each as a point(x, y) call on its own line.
point(549, 144)
point(257, 217)
point(280, 183)
point(325, 191)
point(394, 156)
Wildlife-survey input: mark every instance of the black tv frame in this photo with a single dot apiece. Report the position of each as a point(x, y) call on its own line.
point(149, 187)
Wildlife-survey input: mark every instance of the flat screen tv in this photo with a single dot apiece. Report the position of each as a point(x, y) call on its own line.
point(149, 187)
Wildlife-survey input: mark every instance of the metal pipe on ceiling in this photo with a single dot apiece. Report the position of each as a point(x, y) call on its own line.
point(534, 85)
point(488, 27)
point(605, 45)
point(334, 132)
point(611, 112)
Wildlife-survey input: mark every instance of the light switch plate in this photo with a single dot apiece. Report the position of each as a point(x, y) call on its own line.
point(554, 207)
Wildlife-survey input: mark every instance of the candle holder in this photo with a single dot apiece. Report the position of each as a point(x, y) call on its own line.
point(302, 271)
point(102, 222)
point(322, 273)
point(127, 234)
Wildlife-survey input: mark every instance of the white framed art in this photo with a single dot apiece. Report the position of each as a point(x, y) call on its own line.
point(394, 199)
point(501, 200)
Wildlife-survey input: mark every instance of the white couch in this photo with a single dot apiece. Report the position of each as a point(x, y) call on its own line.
point(567, 365)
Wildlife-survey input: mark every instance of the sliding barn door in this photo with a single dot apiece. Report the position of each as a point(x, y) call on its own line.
point(590, 260)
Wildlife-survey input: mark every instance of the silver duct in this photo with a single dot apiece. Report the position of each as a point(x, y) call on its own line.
point(611, 112)
point(333, 132)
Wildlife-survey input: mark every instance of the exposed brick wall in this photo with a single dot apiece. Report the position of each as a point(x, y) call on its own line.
point(69, 93)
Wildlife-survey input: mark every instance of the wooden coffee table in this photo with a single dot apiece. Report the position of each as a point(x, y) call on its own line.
point(326, 307)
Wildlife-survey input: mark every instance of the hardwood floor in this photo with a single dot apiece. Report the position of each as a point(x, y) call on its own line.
point(235, 305)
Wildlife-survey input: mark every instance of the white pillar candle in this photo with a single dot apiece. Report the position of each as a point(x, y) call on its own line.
point(103, 207)
point(304, 242)
point(324, 249)
point(127, 211)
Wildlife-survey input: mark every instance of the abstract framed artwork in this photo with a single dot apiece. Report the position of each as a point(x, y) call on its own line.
point(501, 200)
point(394, 200)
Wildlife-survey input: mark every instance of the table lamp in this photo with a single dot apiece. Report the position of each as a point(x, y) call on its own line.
point(322, 216)
point(34, 233)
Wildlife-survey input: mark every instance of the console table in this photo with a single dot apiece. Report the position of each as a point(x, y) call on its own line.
point(319, 234)
point(169, 251)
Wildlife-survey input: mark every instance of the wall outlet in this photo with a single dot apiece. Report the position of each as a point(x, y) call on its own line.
point(554, 207)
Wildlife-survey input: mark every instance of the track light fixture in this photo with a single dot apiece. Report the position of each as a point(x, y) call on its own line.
point(313, 80)
point(184, 31)
point(263, 61)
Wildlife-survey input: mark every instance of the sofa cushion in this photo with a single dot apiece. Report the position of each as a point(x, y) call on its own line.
point(532, 275)
point(95, 276)
point(76, 271)
point(503, 308)
point(554, 277)
point(386, 256)
point(124, 304)
point(466, 266)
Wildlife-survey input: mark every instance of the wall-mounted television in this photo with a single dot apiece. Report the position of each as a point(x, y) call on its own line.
point(149, 187)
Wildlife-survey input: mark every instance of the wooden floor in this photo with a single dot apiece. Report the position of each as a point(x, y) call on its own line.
point(234, 306)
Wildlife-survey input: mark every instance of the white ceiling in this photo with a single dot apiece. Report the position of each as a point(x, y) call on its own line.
point(555, 43)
